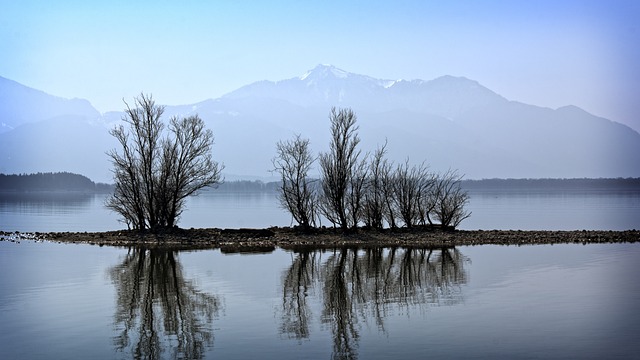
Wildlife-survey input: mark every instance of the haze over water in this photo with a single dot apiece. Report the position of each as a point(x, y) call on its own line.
point(505, 210)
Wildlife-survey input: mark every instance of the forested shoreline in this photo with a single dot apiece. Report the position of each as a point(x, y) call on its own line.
point(58, 181)
point(66, 181)
point(551, 184)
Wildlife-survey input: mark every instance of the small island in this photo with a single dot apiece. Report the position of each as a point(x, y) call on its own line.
point(266, 240)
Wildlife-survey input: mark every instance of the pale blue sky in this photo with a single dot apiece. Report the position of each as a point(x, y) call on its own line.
point(547, 53)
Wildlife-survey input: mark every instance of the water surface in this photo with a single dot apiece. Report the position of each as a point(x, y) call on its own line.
point(505, 210)
point(558, 302)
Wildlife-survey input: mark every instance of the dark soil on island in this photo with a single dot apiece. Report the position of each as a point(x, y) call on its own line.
point(266, 240)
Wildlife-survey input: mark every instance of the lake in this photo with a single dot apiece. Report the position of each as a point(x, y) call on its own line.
point(569, 301)
point(607, 209)
point(60, 301)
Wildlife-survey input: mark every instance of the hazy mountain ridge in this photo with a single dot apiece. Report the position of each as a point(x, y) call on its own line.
point(20, 104)
point(449, 122)
point(326, 85)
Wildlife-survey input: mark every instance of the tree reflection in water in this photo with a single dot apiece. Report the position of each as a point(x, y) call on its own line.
point(158, 310)
point(358, 285)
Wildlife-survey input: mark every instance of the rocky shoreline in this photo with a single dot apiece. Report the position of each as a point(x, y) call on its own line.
point(265, 240)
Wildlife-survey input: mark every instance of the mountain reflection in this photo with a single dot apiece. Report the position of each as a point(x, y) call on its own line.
point(159, 310)
point(357, 286)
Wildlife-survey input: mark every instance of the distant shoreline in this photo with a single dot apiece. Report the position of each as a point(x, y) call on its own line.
point(47, 183)
point(265, 240)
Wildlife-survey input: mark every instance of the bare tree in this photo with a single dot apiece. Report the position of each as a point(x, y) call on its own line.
point(425, 198)
point(297, 195)
point(374, 193)
point(127, 198)
point(154, 175)
point(411, 184)
point(186, 166)
point(338, 168)
point(355, 193)
point(133, 169)
point(450, 199)
point(388, 179)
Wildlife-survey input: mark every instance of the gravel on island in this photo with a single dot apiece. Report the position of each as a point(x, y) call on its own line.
point(264, 240)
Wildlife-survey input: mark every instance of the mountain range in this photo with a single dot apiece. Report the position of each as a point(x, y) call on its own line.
point(447, 122)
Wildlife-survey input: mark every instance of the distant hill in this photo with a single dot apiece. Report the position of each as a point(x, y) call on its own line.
point(45, 133)
point(20, 104)
point(61, 181)
point(448, 122)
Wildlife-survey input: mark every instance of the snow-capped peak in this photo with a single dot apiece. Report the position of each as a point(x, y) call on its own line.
point(389, 83)
point(323, 71)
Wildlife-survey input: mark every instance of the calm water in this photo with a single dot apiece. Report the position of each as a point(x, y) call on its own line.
point(525, 210)
point(62, 301)
point(561, 302)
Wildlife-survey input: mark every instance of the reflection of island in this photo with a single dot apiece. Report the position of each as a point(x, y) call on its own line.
point(158, 310)
point(358, 285)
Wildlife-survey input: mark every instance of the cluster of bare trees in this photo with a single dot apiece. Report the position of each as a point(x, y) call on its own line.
point(158, 167)
point(297, 193)
point(343, 172)
point(370, 190)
